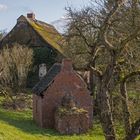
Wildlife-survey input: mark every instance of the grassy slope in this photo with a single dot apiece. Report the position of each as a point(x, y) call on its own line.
point(19, 126)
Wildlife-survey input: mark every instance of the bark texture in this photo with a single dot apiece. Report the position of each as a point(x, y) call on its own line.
point(105, 112)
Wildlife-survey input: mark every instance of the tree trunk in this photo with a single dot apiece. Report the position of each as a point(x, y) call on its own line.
point(111, 103)
point(92, 81)
point(105, 111)
point(126, 113)
point(132, 130)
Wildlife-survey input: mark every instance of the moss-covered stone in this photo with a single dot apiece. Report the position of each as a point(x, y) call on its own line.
point(63, 111)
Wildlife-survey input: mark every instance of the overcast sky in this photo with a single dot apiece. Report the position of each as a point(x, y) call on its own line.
point(45, 10)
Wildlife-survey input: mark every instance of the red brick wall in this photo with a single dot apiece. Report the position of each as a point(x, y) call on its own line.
point(72, 123)
point(37, 110)
point(67, 81)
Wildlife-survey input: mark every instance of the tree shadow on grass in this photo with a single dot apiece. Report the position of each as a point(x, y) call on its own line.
point(24, 122)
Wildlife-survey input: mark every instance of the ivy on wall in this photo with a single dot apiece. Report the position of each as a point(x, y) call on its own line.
point(40, 55)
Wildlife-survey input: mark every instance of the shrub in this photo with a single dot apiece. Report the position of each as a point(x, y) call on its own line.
point(15, 64)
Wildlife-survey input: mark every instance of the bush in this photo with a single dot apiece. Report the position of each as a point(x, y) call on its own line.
point(40, 55)
point(15, 64)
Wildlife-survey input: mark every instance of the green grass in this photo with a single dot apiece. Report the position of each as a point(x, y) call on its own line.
point(20, 126)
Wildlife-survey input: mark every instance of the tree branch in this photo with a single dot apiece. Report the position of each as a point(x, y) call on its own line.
point(130, 75)
point(106, 24)
point(81, 34)
point(129, 38)
point(96, 72)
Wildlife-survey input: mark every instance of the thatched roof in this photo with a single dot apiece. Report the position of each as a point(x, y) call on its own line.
point(47, 80)
point(45, 31)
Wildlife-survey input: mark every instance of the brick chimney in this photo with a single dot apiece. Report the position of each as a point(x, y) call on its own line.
point(31, 16)
point(67, 65)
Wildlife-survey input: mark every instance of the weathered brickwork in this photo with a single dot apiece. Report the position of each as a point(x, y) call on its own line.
point(67, 81)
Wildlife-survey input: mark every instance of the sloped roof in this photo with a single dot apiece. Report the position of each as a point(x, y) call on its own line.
point(47, 80)
point(48, 33)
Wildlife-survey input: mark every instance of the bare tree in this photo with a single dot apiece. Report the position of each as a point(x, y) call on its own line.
point(110, 30)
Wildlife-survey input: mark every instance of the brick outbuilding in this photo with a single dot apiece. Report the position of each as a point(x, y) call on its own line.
point(60, 81)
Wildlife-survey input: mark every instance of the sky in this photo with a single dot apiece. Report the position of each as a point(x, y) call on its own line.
point(45, 10)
